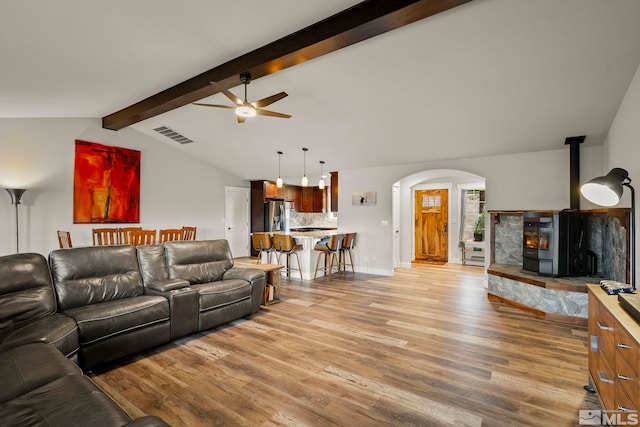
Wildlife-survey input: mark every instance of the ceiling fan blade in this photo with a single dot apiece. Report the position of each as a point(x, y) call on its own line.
point(272, 113)
point(227, 93)
point(269, 100)
point(212, 105)
point(241, 119)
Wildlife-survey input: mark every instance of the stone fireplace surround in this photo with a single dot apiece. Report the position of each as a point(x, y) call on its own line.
point(560, 299)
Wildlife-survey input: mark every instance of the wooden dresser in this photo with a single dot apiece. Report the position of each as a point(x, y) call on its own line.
point(614, 360)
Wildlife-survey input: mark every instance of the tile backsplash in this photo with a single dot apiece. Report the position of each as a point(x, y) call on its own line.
point(301, 219)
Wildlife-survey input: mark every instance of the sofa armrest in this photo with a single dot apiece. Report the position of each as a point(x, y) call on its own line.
point(248, 274)
point(166, 285)
point(256, 277)
point(148, 421)
point(183, 307)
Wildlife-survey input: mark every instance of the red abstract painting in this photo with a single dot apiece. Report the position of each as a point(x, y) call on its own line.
point(106, 184)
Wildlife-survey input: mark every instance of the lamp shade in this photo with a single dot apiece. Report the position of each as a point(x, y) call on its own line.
point(606, 190)
point(279, 182)
point(16, 195)
point(305, 180)
point(321, 183)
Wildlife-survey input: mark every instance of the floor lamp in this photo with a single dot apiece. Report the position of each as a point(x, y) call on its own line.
point(607, 191)
point(16, 195)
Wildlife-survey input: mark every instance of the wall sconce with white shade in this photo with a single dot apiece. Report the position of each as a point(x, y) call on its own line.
point(321, 183)
point(305, 181)
point(607, 191)
point(16, 196)
point(279, 180)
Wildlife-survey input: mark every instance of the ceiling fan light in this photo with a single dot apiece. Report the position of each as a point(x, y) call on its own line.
point(245, 111)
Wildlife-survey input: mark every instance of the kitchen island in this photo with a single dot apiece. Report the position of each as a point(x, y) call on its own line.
point(307, 255)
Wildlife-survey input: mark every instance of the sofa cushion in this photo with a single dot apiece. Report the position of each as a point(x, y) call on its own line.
point(198, 261)
point(224, 292)
point(72, 400)
point(26, 291)
point(30, 366)
point(152, 263)
point(91, 275)
point(100, 321)
point(58, 330)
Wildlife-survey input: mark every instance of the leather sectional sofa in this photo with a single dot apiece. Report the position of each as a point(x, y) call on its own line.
point(90, 306)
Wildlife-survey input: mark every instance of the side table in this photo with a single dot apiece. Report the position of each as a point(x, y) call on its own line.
point(271, 289)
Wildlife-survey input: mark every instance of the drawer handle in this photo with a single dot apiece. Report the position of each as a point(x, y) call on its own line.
point(620, 345)
point(623, 409)
point(604, 327)
point(625, 378)
point(604, 379)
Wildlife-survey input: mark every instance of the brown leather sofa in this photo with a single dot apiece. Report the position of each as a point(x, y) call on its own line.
point(28, 309)
point(40, 383)
point(41, 387)
point(98, 304)
point(225, 293)
point(100, 287)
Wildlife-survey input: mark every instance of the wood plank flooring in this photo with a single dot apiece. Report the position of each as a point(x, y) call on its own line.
point(422, 348)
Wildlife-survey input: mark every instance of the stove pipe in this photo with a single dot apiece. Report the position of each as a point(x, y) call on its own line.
point(574, 170)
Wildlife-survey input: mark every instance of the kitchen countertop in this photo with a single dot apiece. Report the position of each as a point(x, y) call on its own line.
point(318, 234)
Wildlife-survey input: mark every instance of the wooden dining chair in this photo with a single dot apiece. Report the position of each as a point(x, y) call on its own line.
point(64, 239)
point(124, 234)
point(105, 236)
point(143, 237)
point(170, 234)
point(188, 233)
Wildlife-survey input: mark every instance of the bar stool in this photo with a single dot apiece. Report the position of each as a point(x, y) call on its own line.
point(330, 250)
point(263, 242)
point(347, 246)
point(284, 244)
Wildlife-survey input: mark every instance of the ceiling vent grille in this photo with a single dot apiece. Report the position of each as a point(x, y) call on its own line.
point(172, 134)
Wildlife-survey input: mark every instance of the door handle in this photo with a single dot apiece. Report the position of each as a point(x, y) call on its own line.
point(228, 228)
point(446, 227)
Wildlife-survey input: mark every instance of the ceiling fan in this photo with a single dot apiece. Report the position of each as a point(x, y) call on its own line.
point(244, 109)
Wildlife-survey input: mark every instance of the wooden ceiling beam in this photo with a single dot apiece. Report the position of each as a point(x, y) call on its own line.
point(360, 22)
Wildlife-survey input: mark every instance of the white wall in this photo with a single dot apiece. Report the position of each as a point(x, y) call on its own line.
point(623, 144)
point(38, 154)
point(527, 181)
point(177, 189)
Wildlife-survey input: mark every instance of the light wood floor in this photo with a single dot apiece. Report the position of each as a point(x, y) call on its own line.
point(422, 348)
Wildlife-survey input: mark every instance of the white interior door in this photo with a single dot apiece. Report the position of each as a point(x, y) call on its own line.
point(236, 218)
point(395, 206)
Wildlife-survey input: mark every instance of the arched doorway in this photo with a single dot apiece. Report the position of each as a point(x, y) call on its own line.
point(404, 210)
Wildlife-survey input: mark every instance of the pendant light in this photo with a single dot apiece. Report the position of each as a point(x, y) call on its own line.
point(305, 181)
point(279, 180)
point(321, 183)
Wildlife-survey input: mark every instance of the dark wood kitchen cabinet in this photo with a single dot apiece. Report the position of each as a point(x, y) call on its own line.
point(271, 191)
point(313, 199)
point(304, 199)
point(293, 193)
point(334, 191)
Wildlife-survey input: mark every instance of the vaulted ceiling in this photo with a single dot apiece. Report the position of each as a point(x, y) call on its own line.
point(486, 77)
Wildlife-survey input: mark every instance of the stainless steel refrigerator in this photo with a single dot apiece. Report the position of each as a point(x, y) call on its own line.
point(276, 215)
